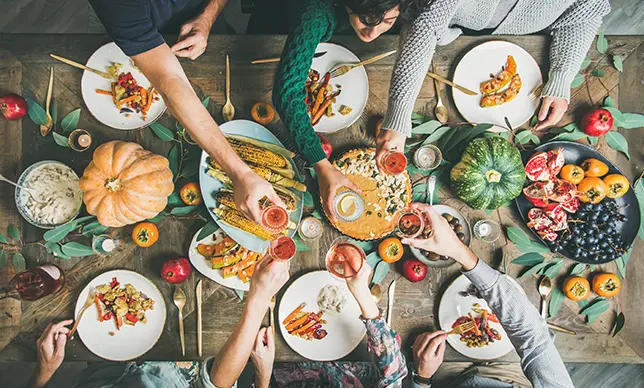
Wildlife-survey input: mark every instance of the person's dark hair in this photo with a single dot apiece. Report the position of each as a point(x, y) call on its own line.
point(373, 11)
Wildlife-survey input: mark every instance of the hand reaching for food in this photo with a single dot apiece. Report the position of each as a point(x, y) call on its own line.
point(269, 276)
point(51, 351)
point(551, 111)
point(428, 351)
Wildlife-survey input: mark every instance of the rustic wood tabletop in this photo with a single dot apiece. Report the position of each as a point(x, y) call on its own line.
point(24, 69)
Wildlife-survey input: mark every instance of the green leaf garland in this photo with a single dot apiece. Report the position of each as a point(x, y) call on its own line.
point(76, 249)
point(13, 231)
point(602, 43)
point(207, 230)
point(61, 140)
point(556, 300)
point(618, 142)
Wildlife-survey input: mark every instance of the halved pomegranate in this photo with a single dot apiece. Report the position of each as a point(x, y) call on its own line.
point(538, 193)
point(556, 161)
point(572, 205)
point(535, 213)
point(563, 191)
point(547, 234)
point(556, 213)
point(537, 167)
point(540, 223)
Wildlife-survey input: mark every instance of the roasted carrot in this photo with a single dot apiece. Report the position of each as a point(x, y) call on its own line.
point(114, 95)
point(144, 96)
point(150, 94)
point(103, 91)
point(127, 100)
point(320, 96)
point(476, 327)
point(293, 313)
point(303, 328)
point(297, 322)
point(99, 308)
point(318, 115)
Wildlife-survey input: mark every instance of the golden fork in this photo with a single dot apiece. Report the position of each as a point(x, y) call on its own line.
point(81, 66)
point(344, 69)
point(536, 93)
point(271, 314)
point(462, 328)
point(450, 83)
point(88, 302)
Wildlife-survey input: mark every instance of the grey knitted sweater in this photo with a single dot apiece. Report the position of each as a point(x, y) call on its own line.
point(571, 23)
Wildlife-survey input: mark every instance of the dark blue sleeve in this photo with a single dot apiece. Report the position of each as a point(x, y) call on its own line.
point(129, 23)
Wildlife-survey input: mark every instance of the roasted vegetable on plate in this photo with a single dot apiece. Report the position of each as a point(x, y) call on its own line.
point(305, 325)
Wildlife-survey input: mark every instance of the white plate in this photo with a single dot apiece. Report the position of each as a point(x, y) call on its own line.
point(131, 341)
point(202, 265)
point(100, 105)
point(477, 65)
point(209, 185)
point(355, 86)
point(345, 330)
point(452, 306)
point(442, 209)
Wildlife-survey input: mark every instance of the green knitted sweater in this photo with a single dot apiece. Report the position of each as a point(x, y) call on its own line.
point(314, 24)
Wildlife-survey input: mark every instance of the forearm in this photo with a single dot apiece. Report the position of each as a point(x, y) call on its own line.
point(213, 9)
point(526, 329)
point(39, 378)
point(232, 358)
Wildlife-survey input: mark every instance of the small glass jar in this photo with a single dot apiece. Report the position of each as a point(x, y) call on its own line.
point(103, 244)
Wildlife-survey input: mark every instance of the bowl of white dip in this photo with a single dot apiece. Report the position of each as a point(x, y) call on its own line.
point(58, 195)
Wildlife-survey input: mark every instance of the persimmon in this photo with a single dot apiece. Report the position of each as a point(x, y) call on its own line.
point(606, 284)
point(262, 113)
point(390, 249)
point(191, 194)
point(571, 173)
point(576, 288)
point(145, 234)
point(591, 190)
point(594, 168)
point(616, 185)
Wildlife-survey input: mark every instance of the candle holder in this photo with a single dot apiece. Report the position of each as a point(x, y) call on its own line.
point(79, 140)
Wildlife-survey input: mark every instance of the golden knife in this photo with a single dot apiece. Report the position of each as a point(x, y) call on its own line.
point(199, 296)
point(561, 329)
point(450, 83)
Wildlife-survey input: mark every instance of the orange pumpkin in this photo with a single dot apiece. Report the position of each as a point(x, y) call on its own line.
point(125, 184)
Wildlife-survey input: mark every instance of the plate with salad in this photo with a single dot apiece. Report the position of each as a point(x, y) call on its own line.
point(128, 100)
point(126, 319)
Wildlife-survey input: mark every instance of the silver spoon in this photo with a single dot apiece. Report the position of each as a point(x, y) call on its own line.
point(545, 287)
point(28, 191)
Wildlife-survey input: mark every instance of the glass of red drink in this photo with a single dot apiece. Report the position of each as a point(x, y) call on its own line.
point(345, 258)
point(409, 223)
point(282, 248)
point(274, 219)
point(394, 162)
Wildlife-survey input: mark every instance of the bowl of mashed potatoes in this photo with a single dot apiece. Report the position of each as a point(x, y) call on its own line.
point(56, 197)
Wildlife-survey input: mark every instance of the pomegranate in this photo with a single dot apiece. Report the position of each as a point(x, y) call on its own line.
point(597, 122)
point(326, 146)
point(563, 191)
point(556, 161)
point(538, 193)
point(556, 213)
point(547, 234)
point(176, 270)
point(540, 223)
point(13, 107)
point(537, 167)
point(572, 205)
point(535, 213)
point(414, 270)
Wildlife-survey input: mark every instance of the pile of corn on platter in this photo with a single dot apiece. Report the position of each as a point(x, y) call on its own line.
point(271, 162)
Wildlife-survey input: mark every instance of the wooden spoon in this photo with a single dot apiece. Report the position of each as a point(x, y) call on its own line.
point(228, 110)
point(46, 127)
point(440, 111)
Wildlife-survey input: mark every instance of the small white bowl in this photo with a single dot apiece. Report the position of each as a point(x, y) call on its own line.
point(20, 203)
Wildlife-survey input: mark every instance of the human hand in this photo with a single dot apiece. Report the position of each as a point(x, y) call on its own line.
point(263, 356)
point(388, 141)
point(443, 240)
point(428, 351)
point(250, 188)
point(193, 38)
point(330, 180)
point(359, 284)
point(269, 276)
point(556, 106)
point(51, 350)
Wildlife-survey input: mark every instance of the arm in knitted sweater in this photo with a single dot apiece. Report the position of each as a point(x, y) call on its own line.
point(315, 24)
point(416, 49)
point(572, 35)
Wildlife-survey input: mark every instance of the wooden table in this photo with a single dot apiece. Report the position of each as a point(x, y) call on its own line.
point(24, 68)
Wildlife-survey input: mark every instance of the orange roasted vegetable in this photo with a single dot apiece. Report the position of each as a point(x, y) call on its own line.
point(503, 78)
point(594, 168)
point(390, 249)
point(616, 185)
point(226, 245)
point(591, 190)
point(191, 194)
point(505, 96)
point(576, 288)
point(262, 113)
point(606, 284)
point(571, 173)
point(145, 234)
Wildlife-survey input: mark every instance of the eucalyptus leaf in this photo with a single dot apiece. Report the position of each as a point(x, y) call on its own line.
point(417, 118)
point(554, 269)
point(598, 73)
point(3, 239)
point(80, 221)
point(3, 258)
point(618, 63)
point(36, 112)
point(300, 245)
point(556, 300)
point(597, 306)
point(205, 102)
point(523, 136)
point(60, 139)
point(76, 249)
point(159, 217)
point(593, 317)
point(535, 139)
point(585, 63)
point(173, 158)
point(59, 233)
point(638, 188)
point(18, 261)
point(426, 128)
point(570, 136)
point(307, 199)
point(534, 120)
point(162, 132)
point(382, 269)
point(523, 242)
point(240, 294)
point(489, 212)
point(528, 259)
point(316, 213)
point(436, 136)
point(412, 169)
point(184, 210)
point(13, 231)
point(608, 102)
point(534, 269)
point(583, 303)
point(632, 120)
point(577, 81)
point(419, 192)
point(593, 140)
point(70, 122)
point(618, 142)
point(366, 246)
point(56, 250)
point(571, 127)
point(207, 230)
point(312, 173)
point(174, 199)
point(94, 229)
point(373, 259)
point(619, 323)
point(602, 43)
point(578, 268)
point(618, 116)
point(622, 261)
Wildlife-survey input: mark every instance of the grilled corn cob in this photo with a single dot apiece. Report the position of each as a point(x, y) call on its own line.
point(257, 155)
point(268, 174)
point(269, 146)
point(235, 219)
point(227, 197)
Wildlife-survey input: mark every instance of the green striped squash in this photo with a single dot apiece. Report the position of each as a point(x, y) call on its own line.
point(489, 174)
